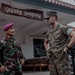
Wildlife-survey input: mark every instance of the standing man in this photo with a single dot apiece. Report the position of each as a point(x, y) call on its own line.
point(57, 43)
point(11, 57)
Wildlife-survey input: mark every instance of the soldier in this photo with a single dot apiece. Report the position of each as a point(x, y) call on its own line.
point(58, 40)
point(11, 57)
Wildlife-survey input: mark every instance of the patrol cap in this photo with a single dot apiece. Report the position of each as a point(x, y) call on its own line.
point(51, 13)
point(7, 26)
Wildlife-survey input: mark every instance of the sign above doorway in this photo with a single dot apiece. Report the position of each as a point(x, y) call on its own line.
point(28, 13)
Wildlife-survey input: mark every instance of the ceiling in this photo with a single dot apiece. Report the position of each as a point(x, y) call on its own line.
point(30, 27)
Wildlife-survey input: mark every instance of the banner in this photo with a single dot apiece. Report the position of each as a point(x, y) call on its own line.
point(28, 13)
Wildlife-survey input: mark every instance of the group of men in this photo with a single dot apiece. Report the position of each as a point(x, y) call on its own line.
point(59, 39)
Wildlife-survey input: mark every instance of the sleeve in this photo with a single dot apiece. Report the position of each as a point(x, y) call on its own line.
point(1, 53)
point(69, 31)
point(66, 30)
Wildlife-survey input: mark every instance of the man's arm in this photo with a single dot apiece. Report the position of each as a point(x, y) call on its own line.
point(2, 68)
point(45, 44)
point(72, 40)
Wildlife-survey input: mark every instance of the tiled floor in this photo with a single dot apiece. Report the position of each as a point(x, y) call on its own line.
point(35, 73)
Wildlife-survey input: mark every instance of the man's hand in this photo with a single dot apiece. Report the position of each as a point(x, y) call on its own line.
point(22, 61)
point(2, 68)
point(65, 49)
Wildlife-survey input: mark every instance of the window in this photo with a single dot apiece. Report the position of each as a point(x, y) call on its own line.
point(39, 49)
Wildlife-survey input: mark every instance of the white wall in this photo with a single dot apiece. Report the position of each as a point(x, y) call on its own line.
point(28, 48)
point(2, 34)
point(69, 1)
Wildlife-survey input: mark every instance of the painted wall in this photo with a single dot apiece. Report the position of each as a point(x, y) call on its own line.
point(27, 48)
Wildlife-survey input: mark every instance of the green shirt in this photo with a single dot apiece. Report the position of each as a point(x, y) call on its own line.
point(10, 52)
point(57, 38)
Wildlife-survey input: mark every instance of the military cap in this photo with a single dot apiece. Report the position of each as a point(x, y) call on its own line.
point(7, 26)
point(51, 13)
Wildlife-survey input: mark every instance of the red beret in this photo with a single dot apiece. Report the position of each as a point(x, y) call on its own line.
point(7, 26)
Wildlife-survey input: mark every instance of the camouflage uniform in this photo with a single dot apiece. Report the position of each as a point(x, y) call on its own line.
point(10, 55)
point(57, 39)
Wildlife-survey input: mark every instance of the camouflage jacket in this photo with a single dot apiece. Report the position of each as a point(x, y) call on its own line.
point(57, 38)
point(10, 52)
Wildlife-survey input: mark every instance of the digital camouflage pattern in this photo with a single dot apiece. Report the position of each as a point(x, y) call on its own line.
point(10, 55)
point(57, 39)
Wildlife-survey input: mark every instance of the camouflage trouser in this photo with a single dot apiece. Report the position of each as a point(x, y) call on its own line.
point(59, 65)
point(13, 68)
point(14, 72)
